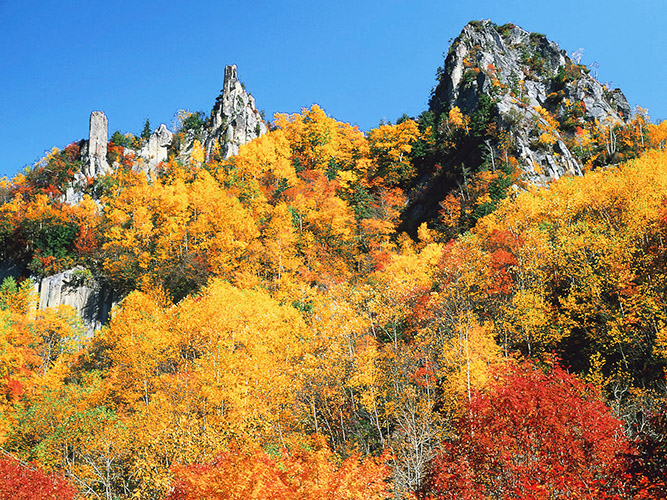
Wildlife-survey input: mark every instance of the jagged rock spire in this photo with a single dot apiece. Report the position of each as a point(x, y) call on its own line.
point(156, 148)
point(234, 119)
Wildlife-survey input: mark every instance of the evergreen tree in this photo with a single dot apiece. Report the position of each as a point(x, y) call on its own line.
point(146, 132)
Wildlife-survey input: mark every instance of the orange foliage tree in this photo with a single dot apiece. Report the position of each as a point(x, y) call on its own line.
point(307, 474)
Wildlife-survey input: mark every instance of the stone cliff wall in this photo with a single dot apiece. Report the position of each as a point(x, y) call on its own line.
point(92, 301)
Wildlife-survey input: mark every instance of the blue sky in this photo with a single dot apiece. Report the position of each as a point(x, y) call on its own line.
point(362, 61)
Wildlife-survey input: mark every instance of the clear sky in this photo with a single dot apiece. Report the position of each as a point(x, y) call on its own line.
point(362, 61)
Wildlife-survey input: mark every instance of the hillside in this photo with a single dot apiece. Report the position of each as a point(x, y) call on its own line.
point(467, 304)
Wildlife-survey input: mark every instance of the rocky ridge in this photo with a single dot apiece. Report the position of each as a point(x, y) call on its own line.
point(525, 73)
point(234, 121)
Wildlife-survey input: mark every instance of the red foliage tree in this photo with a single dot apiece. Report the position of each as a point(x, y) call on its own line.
point(532, 435)
point(19, 481)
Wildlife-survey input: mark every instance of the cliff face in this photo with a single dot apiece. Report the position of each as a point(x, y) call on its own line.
point(92, 301)
point(525, 73)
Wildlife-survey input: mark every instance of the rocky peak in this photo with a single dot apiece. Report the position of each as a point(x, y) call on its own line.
point(525, 74)
point(509, 109)
point(522, 63)
point(234, 120)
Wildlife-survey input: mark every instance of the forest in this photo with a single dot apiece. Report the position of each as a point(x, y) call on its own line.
point(285, 332)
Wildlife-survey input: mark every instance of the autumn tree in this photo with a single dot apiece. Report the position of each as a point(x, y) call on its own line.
point(648, 467)
point(47, 236)
point(390, 148)
point(532, 434)
point(22, 481)
point(298, 473)
point(51, 175)
point(180, 383)
point(174, 232)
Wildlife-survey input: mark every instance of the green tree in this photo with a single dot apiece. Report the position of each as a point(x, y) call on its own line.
point(146, 132)
point(120, 140)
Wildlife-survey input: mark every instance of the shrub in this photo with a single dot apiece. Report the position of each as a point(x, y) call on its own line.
point(194, 121)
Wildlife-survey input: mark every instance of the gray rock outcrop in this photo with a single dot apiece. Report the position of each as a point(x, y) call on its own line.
point(98, 136)
point(522, 72)
point(93, 156)
point(156, 148)
point(234, 120)
point(92, 301)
